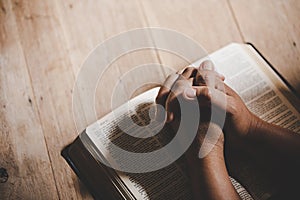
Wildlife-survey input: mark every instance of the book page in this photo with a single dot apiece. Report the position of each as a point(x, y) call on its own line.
point(250, 76)
point(245, 73)
point(170, 182)
point(262, 91)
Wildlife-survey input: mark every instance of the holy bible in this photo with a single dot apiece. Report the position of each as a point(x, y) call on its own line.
point(246, 71)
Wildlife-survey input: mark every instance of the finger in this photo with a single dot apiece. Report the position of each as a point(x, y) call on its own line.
point(189, 72)
point(165, 89)
point(229, 91)
point(189, 93)
point(178, 89)
point(202, 91)
point(170, 117)
point(205, 77)
point(206, 65)
point(221, 76)
point(210, 79)
point(206, 94)
point(220, 85)
point(191, 80)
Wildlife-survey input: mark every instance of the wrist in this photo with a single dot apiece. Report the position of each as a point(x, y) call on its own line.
point(207, 153)
point(254, 136)
point(216, 155)
point(210, 139)
point(208, 145)
point(255, 125)
point(211, 163)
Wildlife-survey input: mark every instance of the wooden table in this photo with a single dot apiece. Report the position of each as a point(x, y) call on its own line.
point(42, 46)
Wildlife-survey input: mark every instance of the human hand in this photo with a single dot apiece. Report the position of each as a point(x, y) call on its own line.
point(178, 96)
point(211, 91)
point(240, 122)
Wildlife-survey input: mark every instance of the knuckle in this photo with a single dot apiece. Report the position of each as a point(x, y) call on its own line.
point(172, 76)
point(204, 91)
point(200, 78)
point(232, 106)
point(189, 68)
point(207, 65)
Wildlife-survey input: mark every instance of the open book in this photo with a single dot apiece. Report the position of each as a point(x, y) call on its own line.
point(245, 70)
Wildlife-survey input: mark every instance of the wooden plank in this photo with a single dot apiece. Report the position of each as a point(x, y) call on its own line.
point(52, 81)
point(274, 28)
point(105, 19)
point(82, 37)
point(210, 23)
point(56, 37)
point(23, 151)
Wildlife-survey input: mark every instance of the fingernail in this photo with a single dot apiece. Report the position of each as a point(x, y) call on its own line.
point(206, 65)
point(221, 76)
point(169, 117)
point(191, 93)
point(159, 113)
point(209, 93)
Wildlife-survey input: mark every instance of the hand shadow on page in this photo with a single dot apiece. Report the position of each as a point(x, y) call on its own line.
point(171, 181)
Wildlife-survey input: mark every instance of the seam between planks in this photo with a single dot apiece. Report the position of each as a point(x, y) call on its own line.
point(34, 97)
point(148, 25)
point(235, 20)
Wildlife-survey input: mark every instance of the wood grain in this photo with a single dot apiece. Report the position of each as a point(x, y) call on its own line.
point(52, 81)
point(105, 19)
point(209, 23)
point(54, 55)
point(23, 151)
point(274, 28)
point(43, 45)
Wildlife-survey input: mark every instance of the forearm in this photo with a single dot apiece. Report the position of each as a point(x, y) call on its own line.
point(210, 180)
point(209, 176)
point(277, 151)
point(274, 141)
